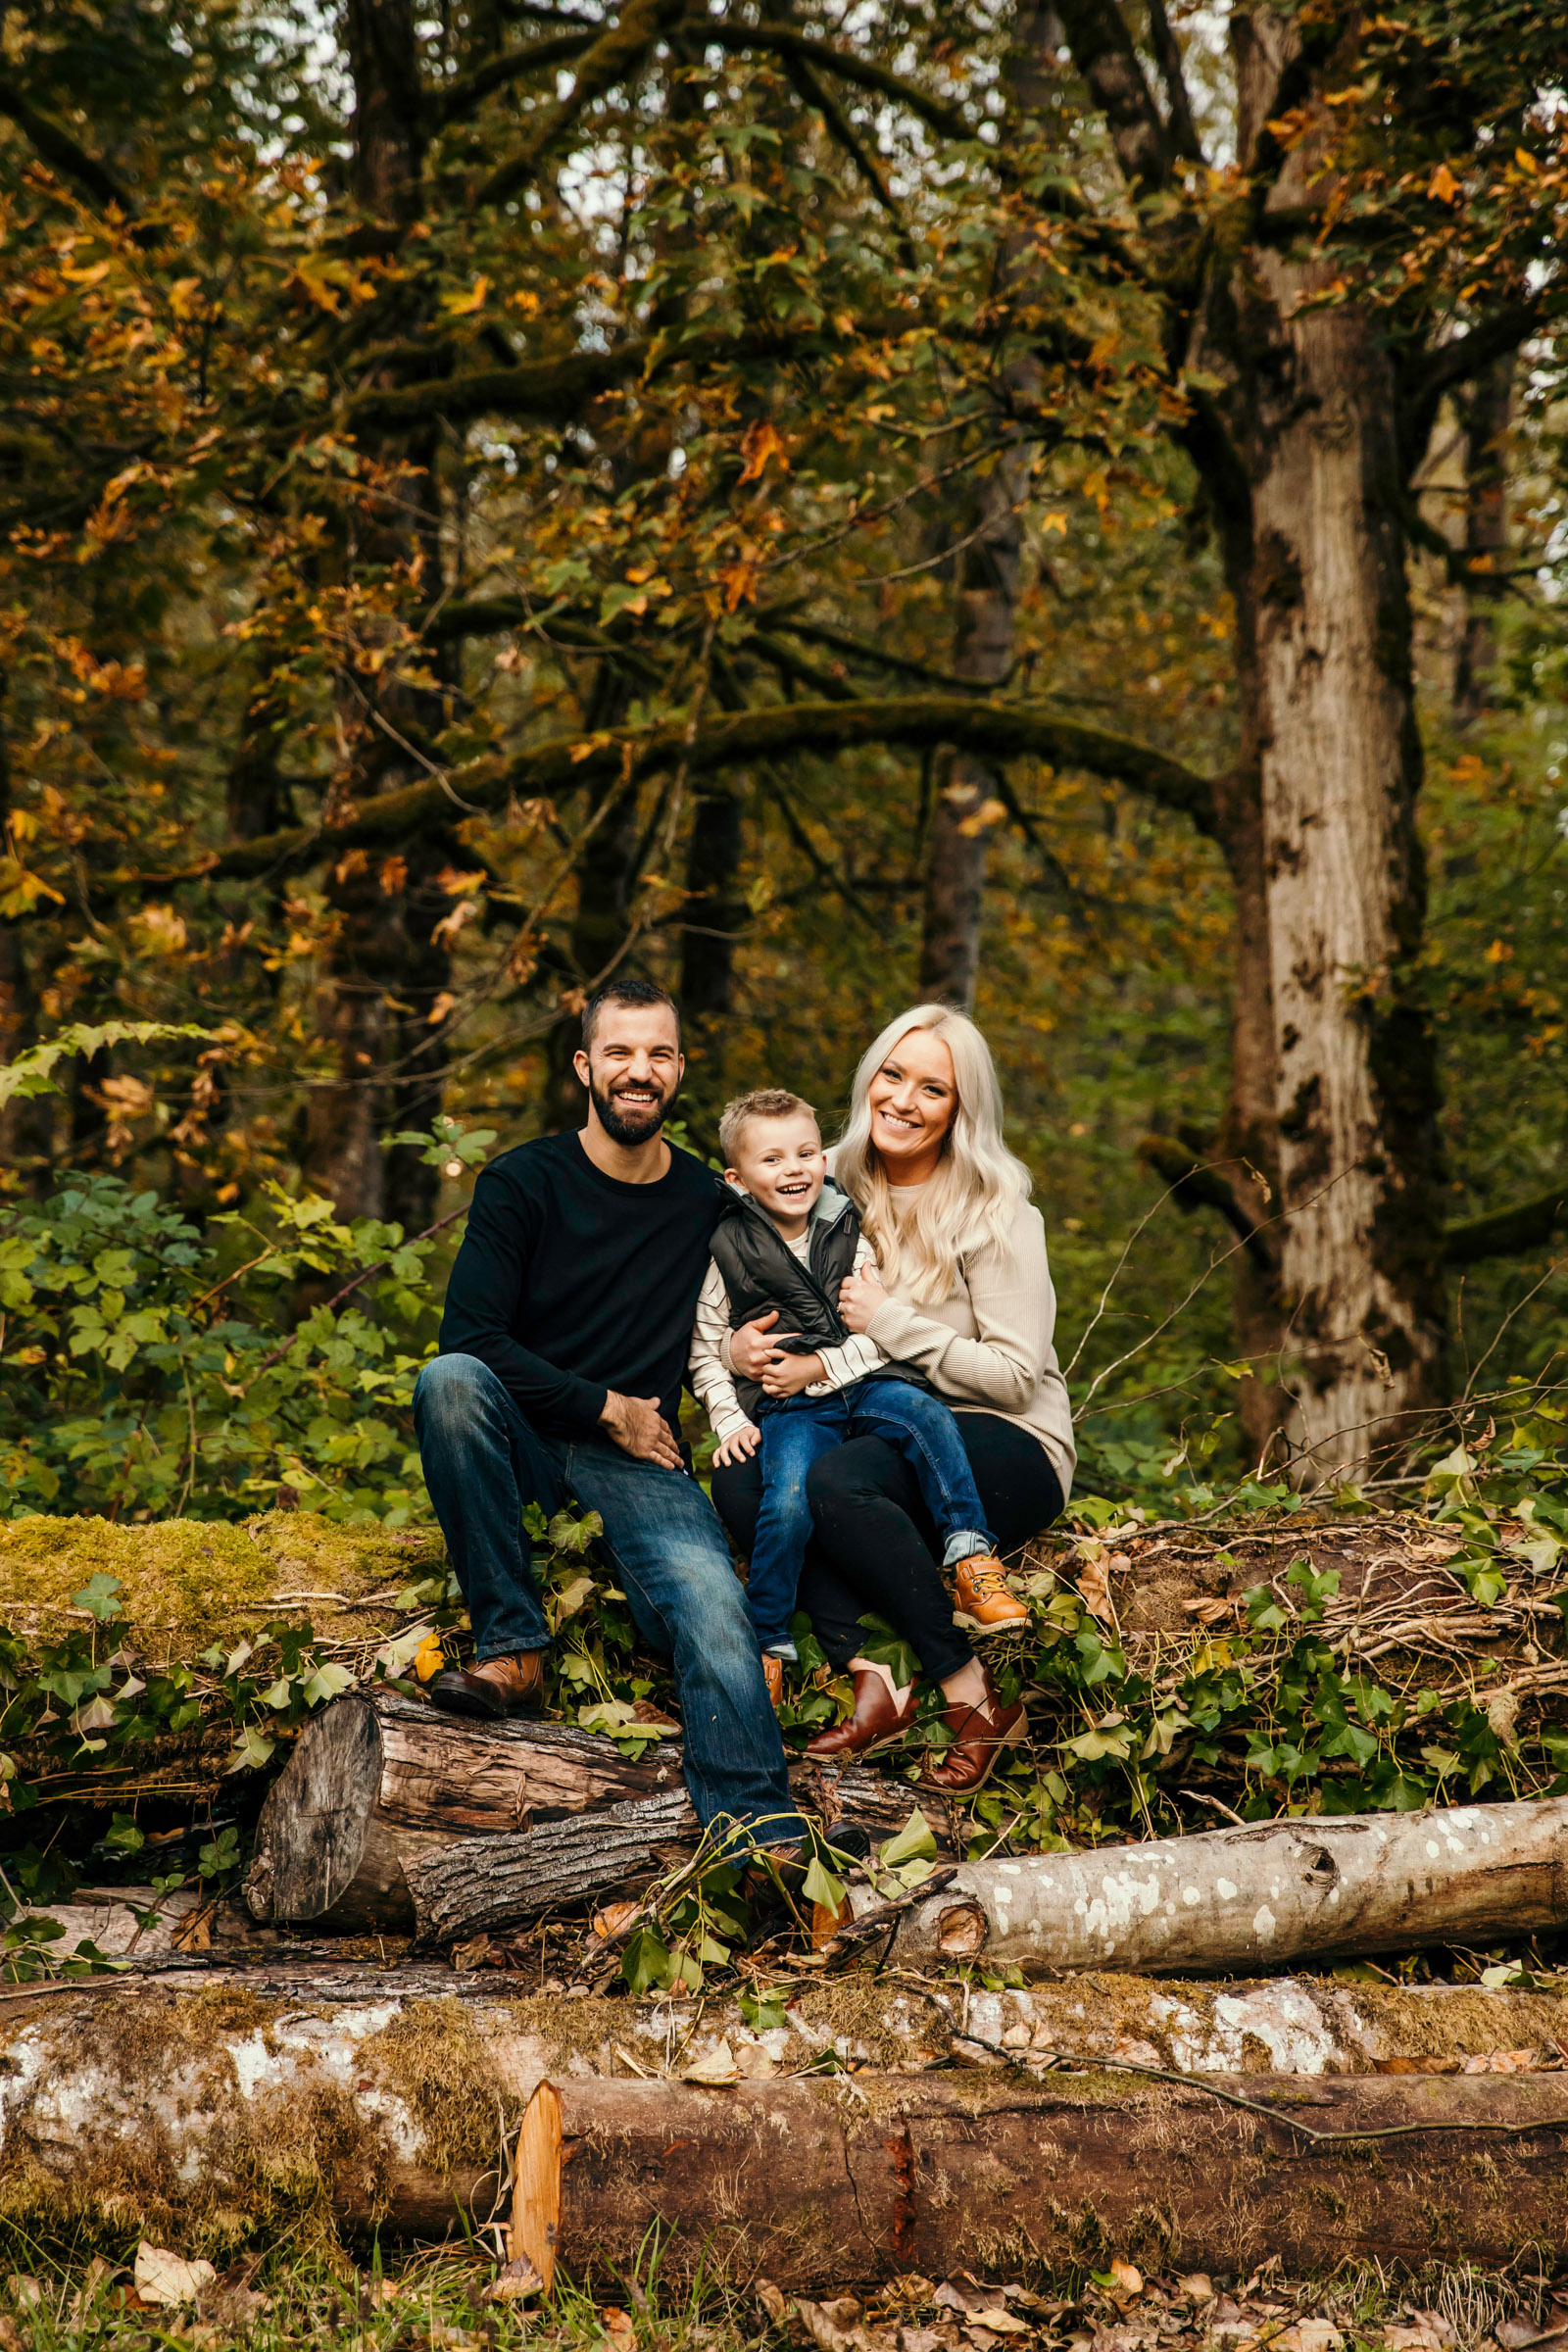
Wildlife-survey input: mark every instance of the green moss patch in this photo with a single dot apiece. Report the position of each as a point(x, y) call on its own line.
point(190, 1583)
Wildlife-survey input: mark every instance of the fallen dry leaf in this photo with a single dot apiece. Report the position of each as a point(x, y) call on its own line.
point(1503, 2062)
point(612, 1919)
point(717, 2069)
point(753, 2063)
point(515, 2283)
point(23, 2287)
point(615, 2322)
point(1196, 2286)
point(833, 2327)
point(774, 2304)
point(1126, 2282)
point(167, 2279)
point(1094, 1589)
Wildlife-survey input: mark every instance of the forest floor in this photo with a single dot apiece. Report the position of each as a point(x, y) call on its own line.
point(434, 2299)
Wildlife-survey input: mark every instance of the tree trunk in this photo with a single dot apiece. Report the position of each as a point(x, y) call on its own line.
point(1308, 482)
point(385, 1000)
point(222, 2115)
point(989, 572)
point(1485, 410)
point(389, 1813)
point(1355, 1086)
point(1244, 1898)
point(713, 916)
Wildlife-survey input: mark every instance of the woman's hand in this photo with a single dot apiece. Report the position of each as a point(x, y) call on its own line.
point(860, 1296)
point(736, 1445)
point(750, 1348)
point(788, 1375)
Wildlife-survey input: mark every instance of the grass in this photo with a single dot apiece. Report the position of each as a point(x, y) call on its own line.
point(423, 2301)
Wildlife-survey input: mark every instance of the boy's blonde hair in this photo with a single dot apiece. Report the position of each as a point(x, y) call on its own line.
point(763, 1102)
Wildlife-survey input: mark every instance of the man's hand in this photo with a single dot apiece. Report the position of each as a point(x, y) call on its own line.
point(860, 1296)
point(788, 1375)
point(736, 1445)
point(640, 1429)
point(750, 1350)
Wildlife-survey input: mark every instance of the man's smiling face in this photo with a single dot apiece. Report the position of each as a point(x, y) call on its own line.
point(632, 1070)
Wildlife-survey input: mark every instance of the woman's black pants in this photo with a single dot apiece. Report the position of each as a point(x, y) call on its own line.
point(875, 1550)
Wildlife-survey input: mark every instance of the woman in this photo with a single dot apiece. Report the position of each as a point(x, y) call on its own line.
point(964, 1297)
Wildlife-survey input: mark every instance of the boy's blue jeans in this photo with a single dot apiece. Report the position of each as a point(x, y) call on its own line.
point(799, 1432)
point(484, 1461)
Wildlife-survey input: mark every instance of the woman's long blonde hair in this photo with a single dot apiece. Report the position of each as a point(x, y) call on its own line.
point(974, 1195)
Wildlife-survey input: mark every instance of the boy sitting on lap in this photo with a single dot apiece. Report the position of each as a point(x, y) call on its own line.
point(786, 1241)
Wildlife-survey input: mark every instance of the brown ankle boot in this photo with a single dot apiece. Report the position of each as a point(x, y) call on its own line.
point(980, 1734)
point(511, 1685)
point(773, 1677)
point(876, 1722)
point(985, 1605)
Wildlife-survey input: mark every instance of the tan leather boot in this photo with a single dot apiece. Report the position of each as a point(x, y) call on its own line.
point(498, 1686)
point(876, 1722)
point(985, 1605)
point(981, 1733)
point(773, 1677)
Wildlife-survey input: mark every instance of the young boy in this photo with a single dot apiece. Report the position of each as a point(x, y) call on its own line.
point(786, 1241)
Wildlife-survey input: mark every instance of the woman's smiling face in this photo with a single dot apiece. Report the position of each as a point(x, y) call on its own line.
point(914, 1100)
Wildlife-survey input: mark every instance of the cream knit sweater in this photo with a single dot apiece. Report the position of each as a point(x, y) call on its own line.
point(988, 1346)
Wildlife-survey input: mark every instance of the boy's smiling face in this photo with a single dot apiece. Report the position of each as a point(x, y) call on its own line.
point(782, 1165)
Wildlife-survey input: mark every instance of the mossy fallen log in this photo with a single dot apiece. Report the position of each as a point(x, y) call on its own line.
point(188, 1585)
point(219, 2118)
point(1272, 1892)
point(392, 1815)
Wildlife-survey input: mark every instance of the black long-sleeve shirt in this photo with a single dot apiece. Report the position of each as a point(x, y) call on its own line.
point(569, 1283)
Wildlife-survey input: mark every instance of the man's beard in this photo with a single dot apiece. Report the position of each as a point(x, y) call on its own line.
point(636, 1124)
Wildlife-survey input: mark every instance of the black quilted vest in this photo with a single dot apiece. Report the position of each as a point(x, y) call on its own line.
point(760, 1271)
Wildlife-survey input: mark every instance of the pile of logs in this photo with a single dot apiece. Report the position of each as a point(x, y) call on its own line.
point(391, 1816)
point(912, 2131)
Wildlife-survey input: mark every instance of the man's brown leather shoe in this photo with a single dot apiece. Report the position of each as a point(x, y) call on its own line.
point(514, 1685)
point(980, 1734)
point(773, 1677)
point(875, 1723)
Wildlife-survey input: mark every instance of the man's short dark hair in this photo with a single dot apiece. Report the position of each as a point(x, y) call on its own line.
point(626, 992)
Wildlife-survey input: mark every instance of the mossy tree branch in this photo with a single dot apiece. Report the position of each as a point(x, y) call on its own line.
point(454, 101)
point(63, 155)
point(613, 56)
point(778, 730)
point(1508, 1232)
point(1529, 1225)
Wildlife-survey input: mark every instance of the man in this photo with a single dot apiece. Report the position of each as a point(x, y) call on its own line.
point(562, 1350)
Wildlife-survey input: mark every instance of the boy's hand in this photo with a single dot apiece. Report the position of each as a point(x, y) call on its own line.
point(788, 1375)
point(736, 1445)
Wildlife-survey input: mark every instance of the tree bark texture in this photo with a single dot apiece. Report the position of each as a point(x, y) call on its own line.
point(1327, 675)
point(221, 2119)
point(1244, 1898)
point(389, 1814)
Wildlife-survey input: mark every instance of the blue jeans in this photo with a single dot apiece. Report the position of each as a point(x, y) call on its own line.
point(798, 1432)
point(484, 1462)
